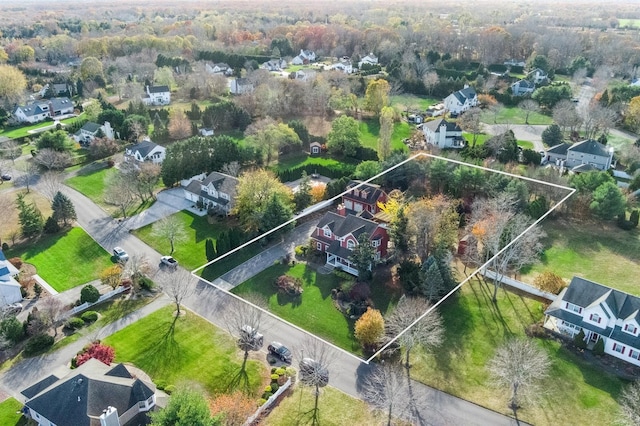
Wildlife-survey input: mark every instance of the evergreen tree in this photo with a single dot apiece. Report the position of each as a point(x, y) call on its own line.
point(604, 99)
point(433, 286)
point(222, 243)
point(30, 218)
point(63, 208)
point(399, 232)
point(633, 218)
point(210, 250)
point(276, 212)
point(302, 198)
point(552, 135)
point(51, 226)
point(363, 257)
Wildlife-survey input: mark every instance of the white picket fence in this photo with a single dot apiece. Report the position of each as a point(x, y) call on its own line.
point(87, 305)
point(268, 404)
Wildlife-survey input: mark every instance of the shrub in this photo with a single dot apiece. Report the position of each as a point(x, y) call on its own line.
point(274, 387)
point(89, 316)
point(289, 285)
point(98, 351)
point(273, 369)
point(578, 340)
point(5, 246)
point(37, 344)
point(598, 349)
point(12, 329)
point(89, 294)
point(261, 402)
point(74, 323)
point(17, 262)
point(267, 395)
point(274, 377)
point(37, 289)
point(280, 371)
point(290, 371)
point(170, 389)
point(267, 388)
point(146, 283)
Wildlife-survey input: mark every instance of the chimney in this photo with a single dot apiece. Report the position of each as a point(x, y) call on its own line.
point(342, 211)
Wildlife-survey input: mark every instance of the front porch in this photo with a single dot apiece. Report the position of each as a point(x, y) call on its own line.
point(341, 263)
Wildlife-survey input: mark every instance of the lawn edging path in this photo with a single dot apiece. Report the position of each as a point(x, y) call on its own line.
point(31, 370)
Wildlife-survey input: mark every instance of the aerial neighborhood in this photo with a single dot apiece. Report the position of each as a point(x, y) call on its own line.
point(319, 213)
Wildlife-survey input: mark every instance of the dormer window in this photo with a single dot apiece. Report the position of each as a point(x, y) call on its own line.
point(595, 318)
point(327, 232)
point(351, 244)
point(575, 308)
point(630, 328)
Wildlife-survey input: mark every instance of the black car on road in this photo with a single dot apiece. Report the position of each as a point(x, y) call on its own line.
point(279, 350)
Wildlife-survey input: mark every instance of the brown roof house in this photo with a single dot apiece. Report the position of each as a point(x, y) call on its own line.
point(93, 394)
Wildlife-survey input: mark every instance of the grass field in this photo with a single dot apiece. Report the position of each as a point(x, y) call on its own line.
point(314, 310)
point(10, 413)
point(475, 326)
point(65, 260)
point(370, 132)
point(628, 23)
point(192, 351)
point(481, 138)
point(514, 115)
point(10, 223)
point(412, 102)
point(303, 160)
point(335, 408)
point(602, 253)
point(93, 185)
point(21, 132)
point(618, 141)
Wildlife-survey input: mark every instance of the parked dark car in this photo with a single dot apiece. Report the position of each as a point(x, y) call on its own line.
point(279, 350)
point(6, 176)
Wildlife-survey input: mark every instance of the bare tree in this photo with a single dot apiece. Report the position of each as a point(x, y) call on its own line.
point(385, 387)
point(629, 407)
point(50, 184)
point(120, 192)
point(170, 228)
point(428, 332)
point(470, 122)
point(51, 312)
point(136, 268)
point(51, 159)
point(566, 116)
point(528, 106)
point(244, 321)
point(232, 168)
point(30, 171)
point(518, 365)
point(314, 371)
point(430, 80)
point(178, 284)
point(597, 119)
point(10, 149)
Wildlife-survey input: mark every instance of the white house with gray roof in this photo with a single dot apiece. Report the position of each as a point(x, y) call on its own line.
point(589, 153)
point(215, 191)
point(40, 110)
point(602, 313)
point(145, 151)
point(92, 394)
point(90, 131)
point(462, 100)
point(522, 87)
point(9, 286)
point(443, 134)
point(157, 95)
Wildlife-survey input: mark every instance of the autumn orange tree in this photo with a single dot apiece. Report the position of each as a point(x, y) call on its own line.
point(549, 281)
point(369, 328)
point(234, 408)
point(111, 276)
point(179, 125)
point(317, 192)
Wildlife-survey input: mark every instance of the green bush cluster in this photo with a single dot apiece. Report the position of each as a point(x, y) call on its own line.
point(38, 343)
point(75, 323)
point(89, 316)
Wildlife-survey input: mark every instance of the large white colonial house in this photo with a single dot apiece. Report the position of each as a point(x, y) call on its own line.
point(523, 87)
point(91, 130)
point(40, 110)
point(219, 68)
point(215, 191)
point(370, 59)
point(461, 101)
point(443, 134)
point(157, 95)
point(343, 65)
point(145, 151)
point(238, 86)
point(92, 394)
point(602, 313)
point(9, 286)
point(305, 57)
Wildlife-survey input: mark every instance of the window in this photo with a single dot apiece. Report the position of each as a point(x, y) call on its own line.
point(634, 354)
point(351, 244)
point(142, 404)
point(630, 328)
point(574, 308)
point(618, 348)
point(595, 318)
point(375, 243)
point(319, 246)
point(327, 232)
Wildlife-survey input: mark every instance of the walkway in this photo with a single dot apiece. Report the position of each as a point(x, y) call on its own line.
point(52, 291)
point(520, 285)
point(168, 202)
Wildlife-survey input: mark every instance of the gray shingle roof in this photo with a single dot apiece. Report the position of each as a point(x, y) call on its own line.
point(158, 89)
point(371, 192)
point(91, 127)
point(435, 125)
point(84, 392)
point(583, 293)
point(560, 149)
point(344, 225)
point(144, 148)
point(590, 147)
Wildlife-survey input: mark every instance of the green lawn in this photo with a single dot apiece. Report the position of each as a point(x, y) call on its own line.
point(525, 144)
point(302, 160)
point(618, 142)
point(314, 310)
point(411, 102)
point(370, 132)
point(475, 326)
point(481, 138)
point(628, 23)
point(192, 351)
point(93, 185)
point(10, 413)
point(514, 115)
point(604, 254)
point(65, 260)
point(334, 408)
point(20, 132)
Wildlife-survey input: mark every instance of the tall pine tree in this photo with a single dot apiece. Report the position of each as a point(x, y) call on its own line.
point(63, 209)
point(433, 286)
point(30, 218)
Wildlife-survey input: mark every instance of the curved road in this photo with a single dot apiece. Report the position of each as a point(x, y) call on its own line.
point(431, 406)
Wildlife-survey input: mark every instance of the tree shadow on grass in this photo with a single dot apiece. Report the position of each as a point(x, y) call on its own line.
point(239, 378)
point(164, 353)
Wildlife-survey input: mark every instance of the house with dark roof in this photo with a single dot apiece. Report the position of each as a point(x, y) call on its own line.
point(537, 76)
point(443, 134)
point(89, 131)
point(337, 236)
point(589, 152)
point(91, 395)
point(9, 286)
point(238, 86)
point(557, 154)
point(145, 151)
point(305, 57)
point(40, 110)
point(157, 95)
point(274, 65)
point(602, 313)
point(219, 68)
point(215, 191)
point(363, 198)
point(523, 87)
point(462, 100)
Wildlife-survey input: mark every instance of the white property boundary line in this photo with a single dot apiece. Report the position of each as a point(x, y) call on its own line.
point(571, 191)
